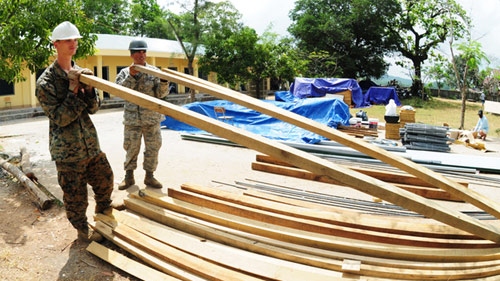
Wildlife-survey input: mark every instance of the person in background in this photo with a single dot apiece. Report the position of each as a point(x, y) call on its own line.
point(482, 127)
point(73, 140)
point(482, 98)
point(141, 122)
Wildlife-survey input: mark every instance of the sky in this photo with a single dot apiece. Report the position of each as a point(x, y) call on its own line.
point(260, 14)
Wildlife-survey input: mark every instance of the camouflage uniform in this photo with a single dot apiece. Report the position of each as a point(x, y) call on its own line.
point(74, 144)
point(141, 121)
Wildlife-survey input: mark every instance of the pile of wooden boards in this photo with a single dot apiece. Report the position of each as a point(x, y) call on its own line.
point(199, 233)
point(304, 242)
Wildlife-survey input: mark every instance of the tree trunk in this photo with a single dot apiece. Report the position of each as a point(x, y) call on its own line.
point(463, 91)
point(42, 200)
point(192, 96)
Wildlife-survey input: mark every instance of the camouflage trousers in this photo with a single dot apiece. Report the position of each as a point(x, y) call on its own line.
point(73, 179)
point(132, 145)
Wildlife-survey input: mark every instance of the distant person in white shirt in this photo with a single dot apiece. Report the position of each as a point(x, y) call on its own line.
point(482, 97)
point(482, 127)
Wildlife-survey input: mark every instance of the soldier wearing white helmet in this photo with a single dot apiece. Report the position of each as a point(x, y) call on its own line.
point(74, 145)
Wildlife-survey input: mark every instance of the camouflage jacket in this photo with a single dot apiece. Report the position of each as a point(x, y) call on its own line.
point(72, 135)
point(135, 115)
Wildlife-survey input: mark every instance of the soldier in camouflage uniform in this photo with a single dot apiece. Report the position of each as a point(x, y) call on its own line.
point(141, 122)
point(73, 141)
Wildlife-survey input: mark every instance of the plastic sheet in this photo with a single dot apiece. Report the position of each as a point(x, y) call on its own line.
point(319, 87)
point(381, 95)
point(329, 111)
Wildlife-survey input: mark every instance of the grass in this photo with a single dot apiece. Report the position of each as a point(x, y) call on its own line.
point(438, 111)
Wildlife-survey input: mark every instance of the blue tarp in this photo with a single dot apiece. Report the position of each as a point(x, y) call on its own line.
point(319, 87)
point(328, 111)
point(381, 95)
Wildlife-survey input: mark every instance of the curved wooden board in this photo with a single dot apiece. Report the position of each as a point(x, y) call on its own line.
point(315, 240)
point(369, 267)
point(334, 215)
point(303, 160)
point(286, 217)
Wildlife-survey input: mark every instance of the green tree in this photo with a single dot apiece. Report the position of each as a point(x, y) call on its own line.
point(144, 14)
point(26, 27)
point(109, 16)
point(289, 63)
point(437, 71)
point(422, 26)
point(230, 56)
point(352, 33)
point(201, 22)
point(466, 67)
point(283, 63)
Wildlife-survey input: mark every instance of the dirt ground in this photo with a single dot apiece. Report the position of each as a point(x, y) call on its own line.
point(42, 245)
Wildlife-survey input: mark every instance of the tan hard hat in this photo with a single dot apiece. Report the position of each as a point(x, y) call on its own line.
point(65, 31)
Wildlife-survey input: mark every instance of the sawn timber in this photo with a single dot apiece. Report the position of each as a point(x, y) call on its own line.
point(304, 160)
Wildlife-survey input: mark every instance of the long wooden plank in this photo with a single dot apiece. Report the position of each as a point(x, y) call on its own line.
point(387, 269)
point(386, 176)
point(234, 258)
point(126, 264)
point(298, 253)
point(430, 193)
point(289, 218)
point(105, 225)
point(334, 215)
point(397, 161)
point(194, 264)
point(316, 240)
point(303, 160)
point(409, 226)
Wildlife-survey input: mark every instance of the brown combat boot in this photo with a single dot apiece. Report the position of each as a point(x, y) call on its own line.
point(150, 181)
point(128, 181)
point(89, 235)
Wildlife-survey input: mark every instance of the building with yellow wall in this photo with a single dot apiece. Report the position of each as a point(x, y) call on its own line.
point(111, 56)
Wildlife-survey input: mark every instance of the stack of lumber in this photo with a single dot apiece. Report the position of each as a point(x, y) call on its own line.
point(358, 132)
point(403, 180)
point(425, 137)
point(200, 233)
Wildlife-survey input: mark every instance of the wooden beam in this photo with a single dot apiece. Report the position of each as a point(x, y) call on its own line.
point(433, 178)
point(106, 224)
point(233, 258)
point(304, 160)
point(126, 264)
point(392, 177)
point(206, 235)
point(310, 239)
point(430, 193)
point(288, 217)
point(419, 227)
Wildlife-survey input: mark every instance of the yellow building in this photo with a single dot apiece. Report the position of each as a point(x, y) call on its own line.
point(111, 56)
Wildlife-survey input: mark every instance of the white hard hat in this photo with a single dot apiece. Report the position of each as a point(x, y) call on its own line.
point(65, 31)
